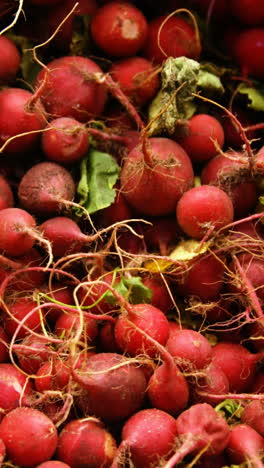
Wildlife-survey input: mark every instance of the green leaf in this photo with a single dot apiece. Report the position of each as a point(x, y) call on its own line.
point(132, 289)
point(175, 103)
point(99, 173)
point(255, 96)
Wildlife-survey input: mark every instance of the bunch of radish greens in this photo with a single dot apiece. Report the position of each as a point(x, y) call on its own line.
point(131, 234)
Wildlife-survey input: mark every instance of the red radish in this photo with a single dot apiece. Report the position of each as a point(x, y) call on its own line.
point(232, 133)
point(91, 296)
point(253, 415)
point(61, 293)
point(85, 442)
point(230, 172)
point(214, 382)
point(119, 210)
point(66, 142)
point(119, 29)
point(2, 451)
point(70, 89)
point(9, 59)
point(65, 235)
point(248, 279)
point(29, 280)
point(6, 194)
point(29, 435)
point(200, 427)
point(16, 389)
point(137, 78)
point(190, 349)
point(31, 353)
point(168, 389)
point(171, 37)
point(52, 375)
point(248, 51)
point(17, 231)
point(238, 364)
point(46, 188)
point(147, 451)
point(154, 176)
point(68, 325)
point(202, 137)
point(204, 278)
point(21, 310)
point(138, 318)
point(24, 116)
point(204, 209)
point(53, 464)
point(245, 444)
point(248, 12)
point(111, 386)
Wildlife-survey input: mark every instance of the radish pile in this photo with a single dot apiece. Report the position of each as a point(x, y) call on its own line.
point(131, 234)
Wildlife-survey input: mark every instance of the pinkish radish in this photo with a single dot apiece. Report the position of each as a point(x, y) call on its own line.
point(24, 116)
point(238, 364)
point(6, 194)
point(190, 349)
point(245, 445)
point(214, 382)
point(111, 386)
point(147, 451)
point(85, 442)
point(53, 464)
point(68, 324)
point(119, 29)
point(137, 78)
point(16, 389)
point(66, 142)
point(161, 297)
point(29, 435)
point(62, 78)
point(154, 176)
point(253, 415)
point(230, 172)
point(248, 279)
point(203, 137)
point(9, 61)
point(204, 209)
point(29, 280)
point(46, 188)
point(200, 427)
point(61, 293)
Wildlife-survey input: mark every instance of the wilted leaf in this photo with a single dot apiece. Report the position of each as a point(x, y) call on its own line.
point(255, 96)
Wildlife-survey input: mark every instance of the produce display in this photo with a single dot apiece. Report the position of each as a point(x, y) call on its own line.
point(131, 234)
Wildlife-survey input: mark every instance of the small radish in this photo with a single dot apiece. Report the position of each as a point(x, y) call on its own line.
point(9, 59)
point(200, 427)
point(203, 137)
point(68, 324)
point(66, 141)
point(204, 209)
point(137, 78)
point(21, 310)
point(29, 435)
point(70, 90)
point(52, 375)
point(160, 294)
point(146, 452)
point(238, 364)
point(248, 12)
point(85, 442)
point(214, 382)
point(119, 29)
point(24, 116)
point(154, 176)
point(53, 464)
point(46, 188)
point(190, 349)
point(111, 386)
point(32, 352)
point(171, 37)
point(253, 415)
point(245, 444)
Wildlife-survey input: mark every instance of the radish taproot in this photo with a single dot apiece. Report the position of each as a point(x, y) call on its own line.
point(154, 176)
